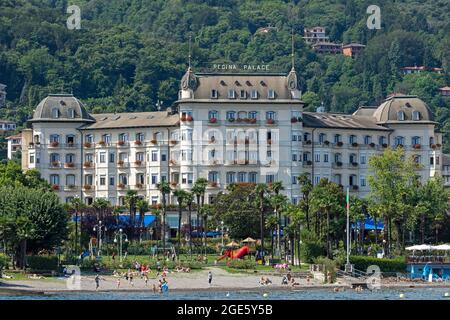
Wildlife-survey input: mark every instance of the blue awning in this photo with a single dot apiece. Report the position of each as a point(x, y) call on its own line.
point(125, 218)
point(369, 224)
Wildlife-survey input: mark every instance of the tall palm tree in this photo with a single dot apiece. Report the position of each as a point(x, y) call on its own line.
point(306, 187)
point(180, 194)
point(261, 189)
point(271, 224)
point(164, 188)
point(189, 199)
point(142, 206)
point(76, 204)
point(199, 189)
point(131, 197)
point(276, 187)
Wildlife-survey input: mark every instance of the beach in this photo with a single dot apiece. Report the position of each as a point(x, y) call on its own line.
point(198, 281)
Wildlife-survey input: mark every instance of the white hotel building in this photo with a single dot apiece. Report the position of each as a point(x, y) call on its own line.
point(227, 128)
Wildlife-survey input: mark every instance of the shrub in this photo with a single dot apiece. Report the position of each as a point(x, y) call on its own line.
point(329, 266)
point(386, 265)
point(242, 264)
point(42, 263)
point(311, 250)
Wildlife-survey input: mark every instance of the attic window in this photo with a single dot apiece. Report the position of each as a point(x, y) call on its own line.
point(416, 115)
point(254, 94)
point(214, 94)
point(71, 113)
point(223, 83)
point(271, 94)
point(401, 116)
point(243, 94)
point(248, 83)
point(55, 113)
point(231, 94)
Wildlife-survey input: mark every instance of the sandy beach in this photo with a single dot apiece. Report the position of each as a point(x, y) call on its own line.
point(222, 281)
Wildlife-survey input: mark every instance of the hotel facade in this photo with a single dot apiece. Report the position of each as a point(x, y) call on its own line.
point(227, 128)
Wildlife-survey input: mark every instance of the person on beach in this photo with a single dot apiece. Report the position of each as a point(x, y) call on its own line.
point(146, 279)
point(210, 277)
point(154, 288)
point(97, 282)
point(118, 283)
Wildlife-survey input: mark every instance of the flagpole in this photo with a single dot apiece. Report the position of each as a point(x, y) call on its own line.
point(348, 229)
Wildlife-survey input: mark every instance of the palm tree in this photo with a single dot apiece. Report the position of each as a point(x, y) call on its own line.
point(131, 197)
point(142, 206)
point(261, 190)
point(76, 204)
point(271, 225)
point(100, 205)
point(180, 194)
point(164, 188)
point(198, 189)
point(306, 187)
point(206, 211)
point(278, 201)
point(189, 199)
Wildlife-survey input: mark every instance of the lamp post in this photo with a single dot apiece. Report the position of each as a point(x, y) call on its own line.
point(118, 237)
point(99, 228)
point(221, 228)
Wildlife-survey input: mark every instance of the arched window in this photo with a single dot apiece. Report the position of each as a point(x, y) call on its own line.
point(337, 138)
point(352, 139)
point(399, 141)
point(213, 114)
point(54, 157)
point(55, 113)
point(415, 140)
point(270, 115)
point(123, 179)
point(70, 158)
point(416, 115)
point(252, 114)
point(231, 115)
point(54, 179)
point(70, 180)
point(367, 139)
point(401, 116)
point(54, 138)
point(242, 115)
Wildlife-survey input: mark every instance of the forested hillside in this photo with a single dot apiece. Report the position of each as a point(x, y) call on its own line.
point(130, 53)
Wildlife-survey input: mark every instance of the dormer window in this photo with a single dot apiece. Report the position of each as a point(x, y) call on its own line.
point(254, 94)
point(401, 116)
point(243, 94)
point(271, 94)
point(55, 113)
point(416, 115)
point(71, 113)
point(231, 94)
point(214, 94)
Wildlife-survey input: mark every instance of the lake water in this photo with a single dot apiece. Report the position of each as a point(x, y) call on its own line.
point(315, 294)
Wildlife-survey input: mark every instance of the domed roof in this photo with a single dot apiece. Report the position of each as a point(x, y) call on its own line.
point(61, 107)
point(402, 108)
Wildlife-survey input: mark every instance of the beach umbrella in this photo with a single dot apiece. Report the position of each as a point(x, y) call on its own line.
point(443, 247)
point(249, 240)
point(232, 244)
point(420, 247)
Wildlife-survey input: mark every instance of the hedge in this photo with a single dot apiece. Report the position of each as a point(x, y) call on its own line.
point(385, 265)
point(242, 264)
point(42, 263)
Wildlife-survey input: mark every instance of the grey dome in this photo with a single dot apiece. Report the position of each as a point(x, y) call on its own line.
point(61, 107)
point(388, 111)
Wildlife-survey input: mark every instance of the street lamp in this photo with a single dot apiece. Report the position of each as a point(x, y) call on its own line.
point(221, 227)
point(120, 235)
point(99, 228)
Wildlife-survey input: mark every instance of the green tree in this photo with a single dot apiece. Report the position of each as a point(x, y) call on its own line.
point(181, 195)
point(164, 189)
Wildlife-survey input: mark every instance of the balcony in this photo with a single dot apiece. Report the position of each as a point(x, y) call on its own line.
point(122, 186)
point(56, 187)
point(140, 186)
point(55, 165)
point(337, 165)
point(307, 164)
point(122, 164)
point(33, 145)
point(138, 143)
point(88, 165)
point(54, 144)
point(88, 187)
point(139, 163)
point(124, 144)
point(338, 144)
point(69, 165)
point(70, 145)
point(213, 184)
point(88, 145)
point(70, 188)
point(353, 165)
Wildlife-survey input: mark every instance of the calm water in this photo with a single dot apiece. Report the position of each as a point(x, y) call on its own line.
point(317, 294)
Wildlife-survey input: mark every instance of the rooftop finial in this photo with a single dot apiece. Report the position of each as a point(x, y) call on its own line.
point(292, 52)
